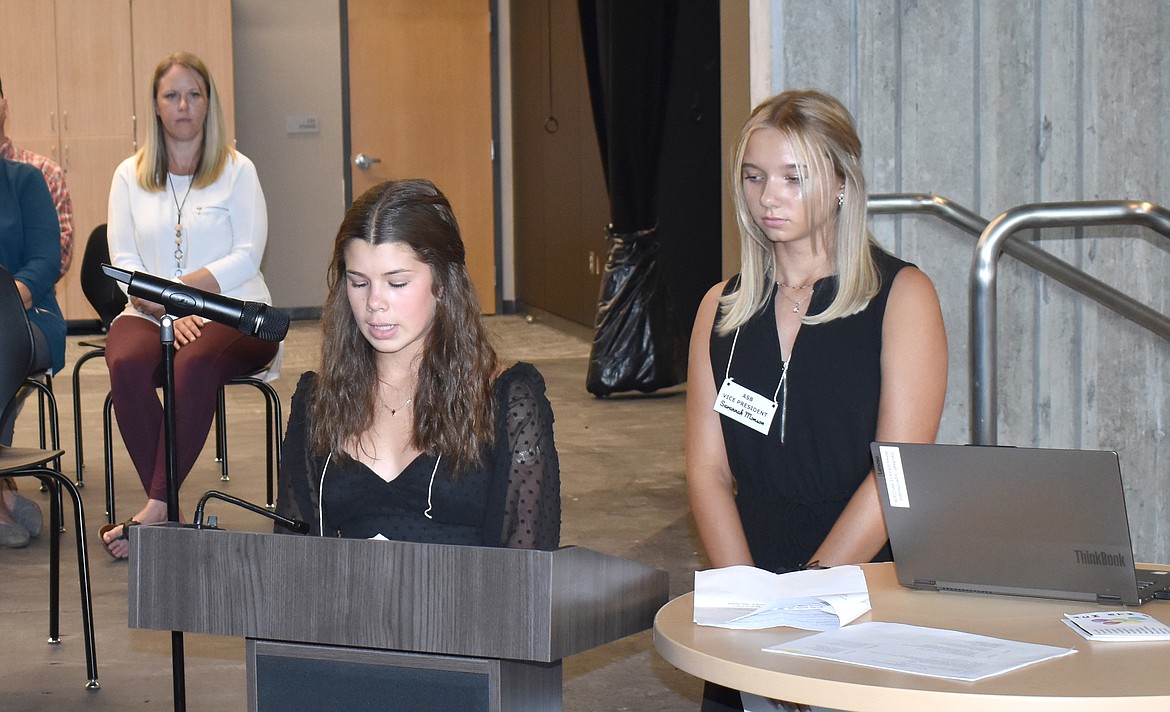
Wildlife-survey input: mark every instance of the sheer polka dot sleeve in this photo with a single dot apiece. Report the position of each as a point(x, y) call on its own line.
point(532, 506)
point(296, 492)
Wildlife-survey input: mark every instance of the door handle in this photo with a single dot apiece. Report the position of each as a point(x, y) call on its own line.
point(364, 162)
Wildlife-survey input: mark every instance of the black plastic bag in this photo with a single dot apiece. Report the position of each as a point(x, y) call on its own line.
point(636, 339)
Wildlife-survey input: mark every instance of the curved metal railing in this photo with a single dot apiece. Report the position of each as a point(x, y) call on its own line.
point(997, 237)
point(995, 240)
point(935, 205)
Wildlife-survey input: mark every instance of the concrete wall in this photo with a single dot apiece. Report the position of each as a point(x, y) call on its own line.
point(998, 103)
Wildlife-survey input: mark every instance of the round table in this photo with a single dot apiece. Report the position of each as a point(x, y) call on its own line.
point(1100, 675)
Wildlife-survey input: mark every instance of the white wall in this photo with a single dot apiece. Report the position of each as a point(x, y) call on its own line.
point(997, 103)
point(288, 64)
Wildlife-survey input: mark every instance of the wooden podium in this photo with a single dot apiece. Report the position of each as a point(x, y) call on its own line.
point(376, 625)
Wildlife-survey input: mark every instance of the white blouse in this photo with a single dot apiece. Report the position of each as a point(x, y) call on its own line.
point(224, 226)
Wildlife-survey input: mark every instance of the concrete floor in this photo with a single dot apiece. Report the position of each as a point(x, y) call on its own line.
point(623, 493)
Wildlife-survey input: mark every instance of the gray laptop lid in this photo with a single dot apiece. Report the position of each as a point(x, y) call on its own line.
point(1018, 521)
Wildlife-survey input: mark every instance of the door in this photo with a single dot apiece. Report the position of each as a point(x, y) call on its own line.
point(420, 98)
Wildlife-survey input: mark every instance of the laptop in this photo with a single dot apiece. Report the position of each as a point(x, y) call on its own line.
point(1013, 521)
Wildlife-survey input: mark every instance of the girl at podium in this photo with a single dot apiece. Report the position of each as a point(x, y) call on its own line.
point(821, 344)
point(412, 430)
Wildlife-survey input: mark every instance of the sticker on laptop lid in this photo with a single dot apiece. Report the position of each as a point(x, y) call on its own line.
point(895, 478)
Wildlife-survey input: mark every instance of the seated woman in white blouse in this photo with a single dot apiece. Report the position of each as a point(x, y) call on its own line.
point(187, 206)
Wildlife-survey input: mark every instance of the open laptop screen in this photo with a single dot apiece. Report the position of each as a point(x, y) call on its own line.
point(1018, 521)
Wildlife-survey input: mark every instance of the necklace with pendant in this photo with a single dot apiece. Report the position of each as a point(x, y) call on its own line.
point(796, 303)
point(394, 411)
point(179, 222)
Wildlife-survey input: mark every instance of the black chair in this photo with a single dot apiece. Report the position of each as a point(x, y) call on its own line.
point(108, 300)
point(261, 381)
point(272, 421)
point(16, 359)
point(48, 418)
point(42, 383)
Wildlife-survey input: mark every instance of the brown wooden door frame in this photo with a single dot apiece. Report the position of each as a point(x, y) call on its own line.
point(500, 304)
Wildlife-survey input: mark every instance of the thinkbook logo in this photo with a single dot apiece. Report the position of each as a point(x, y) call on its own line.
point(1099, 558)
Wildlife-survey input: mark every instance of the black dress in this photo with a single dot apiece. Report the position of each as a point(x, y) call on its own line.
point(513, 500)
point(790, 492)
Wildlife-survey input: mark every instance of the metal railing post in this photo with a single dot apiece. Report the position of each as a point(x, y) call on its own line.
point(982, 287)
point(997, 237)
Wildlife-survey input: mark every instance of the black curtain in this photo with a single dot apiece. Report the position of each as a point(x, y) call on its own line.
point(637, 343)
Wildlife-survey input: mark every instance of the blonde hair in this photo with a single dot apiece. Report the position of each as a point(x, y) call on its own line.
point(152, 161)
point(822, 135)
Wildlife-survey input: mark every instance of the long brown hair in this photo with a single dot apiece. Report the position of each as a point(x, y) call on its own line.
point(452, 413)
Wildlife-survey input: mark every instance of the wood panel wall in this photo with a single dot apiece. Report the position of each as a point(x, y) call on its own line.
point(561, 207)
point(77, 75)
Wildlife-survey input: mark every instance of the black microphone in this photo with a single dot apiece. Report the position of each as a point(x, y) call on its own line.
point(294, 525)
point(252, 318)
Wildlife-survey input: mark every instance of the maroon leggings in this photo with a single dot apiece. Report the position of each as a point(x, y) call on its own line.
point(134, 357)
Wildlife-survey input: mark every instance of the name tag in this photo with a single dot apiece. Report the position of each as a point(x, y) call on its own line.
point(745, 406)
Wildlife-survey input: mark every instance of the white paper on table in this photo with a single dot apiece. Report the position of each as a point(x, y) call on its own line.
point(921, 651)
point(745, 597)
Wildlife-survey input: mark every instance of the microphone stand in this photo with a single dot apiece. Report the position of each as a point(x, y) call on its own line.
point(167, 338)
point(194, 302)
point(294, 525)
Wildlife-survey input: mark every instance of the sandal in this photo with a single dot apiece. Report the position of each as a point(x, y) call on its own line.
point(124, 535)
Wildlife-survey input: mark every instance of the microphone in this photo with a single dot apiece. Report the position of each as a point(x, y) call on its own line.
point(252, 318)
point(294, 525)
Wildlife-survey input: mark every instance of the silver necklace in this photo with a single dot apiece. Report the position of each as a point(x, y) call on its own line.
point(394, 411)
point(179, 222)
point(796, 302)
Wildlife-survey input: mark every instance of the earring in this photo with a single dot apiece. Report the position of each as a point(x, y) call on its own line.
point(841, 199)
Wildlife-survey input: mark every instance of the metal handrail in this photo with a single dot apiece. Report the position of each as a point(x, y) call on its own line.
point(996, 238)
point(1035, 257)
point(922, 203)
point(982, 331)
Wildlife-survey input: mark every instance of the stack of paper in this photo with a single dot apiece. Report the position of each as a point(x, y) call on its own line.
point(921, 651)
point(745, 597)
point(1118, 625)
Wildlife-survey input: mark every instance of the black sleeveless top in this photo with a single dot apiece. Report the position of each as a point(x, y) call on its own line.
point(789, 494)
